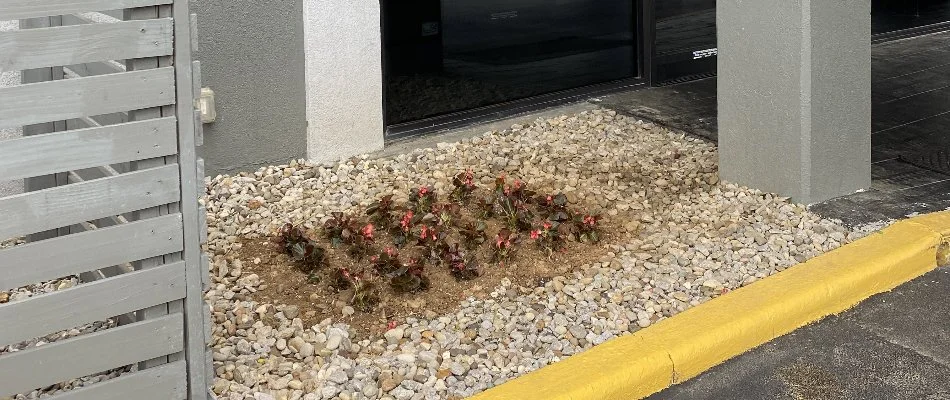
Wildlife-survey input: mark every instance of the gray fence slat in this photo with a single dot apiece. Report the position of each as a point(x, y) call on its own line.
point(90, 302)
point(66, 205)
point(37, 367)
point(199, 129)
point(73, 98)
point(209, 369)
point(196, 346)
point(87, 148)
point(166, 382)
point(55, 258)
point(45, 47)
point(201, 175)
point(202, 225)
point(22, 9)
point(196, 84)
point(206, 277)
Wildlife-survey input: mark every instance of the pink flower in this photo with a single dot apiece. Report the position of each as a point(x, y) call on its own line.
point(391, 325)
point(425, 231)
point(469, 178)
point(406, 220)
point(368, 231)
point(550, 199)
point(535, 235)
point(423, 191)
point(547, 225)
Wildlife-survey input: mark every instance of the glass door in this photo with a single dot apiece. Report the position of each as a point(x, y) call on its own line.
point(444, 57)
point(897, 15)
point(685, 39)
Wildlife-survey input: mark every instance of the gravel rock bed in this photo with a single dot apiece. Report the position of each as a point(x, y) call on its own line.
point(689, 238)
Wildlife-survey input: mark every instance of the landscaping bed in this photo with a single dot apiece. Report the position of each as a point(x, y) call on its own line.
point(674, 237)
point(395, 259)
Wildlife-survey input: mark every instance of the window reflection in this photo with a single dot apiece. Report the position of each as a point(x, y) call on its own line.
point(893, 15)
point(453, 55)
point(685, 38)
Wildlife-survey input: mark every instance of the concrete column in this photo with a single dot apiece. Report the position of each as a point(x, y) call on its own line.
point(344, 82)
point(795, 96)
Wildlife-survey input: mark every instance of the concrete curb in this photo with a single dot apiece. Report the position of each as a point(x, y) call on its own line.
point(682, 347)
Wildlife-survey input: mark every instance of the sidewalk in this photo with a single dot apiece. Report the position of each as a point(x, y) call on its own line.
point(893, 346)
point(910, 148)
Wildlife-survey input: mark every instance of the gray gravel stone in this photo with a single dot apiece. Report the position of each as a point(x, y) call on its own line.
point(686, 238)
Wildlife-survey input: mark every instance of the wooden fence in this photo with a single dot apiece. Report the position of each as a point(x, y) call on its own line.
point(107, 107)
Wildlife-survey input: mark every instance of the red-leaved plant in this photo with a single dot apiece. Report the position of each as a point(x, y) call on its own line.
point(387, 263)
point(403, 230)
point(504, 245)
point(554, 207)
point(473, 234)
point(306, 254)
point(410, 278)
point(431, 239)
point(383, 213)
point(340, 229)
point(587, 228)
point(365, 295)
point(485, 207)
point(422, 198)
point(511, 204)
point(464, 183)
point(461, 266)
point(361, 244)
point(445, 214)
point(517, 189)
point(550, 236)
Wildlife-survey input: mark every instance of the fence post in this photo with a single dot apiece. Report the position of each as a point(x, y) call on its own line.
point(188, 129)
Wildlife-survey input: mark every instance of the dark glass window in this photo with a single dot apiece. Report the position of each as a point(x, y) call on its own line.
point(453, 55)
point(685, 38)
point(895, 15)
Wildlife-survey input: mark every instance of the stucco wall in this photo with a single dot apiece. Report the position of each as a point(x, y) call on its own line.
point(344, 78)
point(9, 79)
point(252, 56)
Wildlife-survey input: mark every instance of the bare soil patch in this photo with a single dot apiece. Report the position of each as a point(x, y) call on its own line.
point(317, 299)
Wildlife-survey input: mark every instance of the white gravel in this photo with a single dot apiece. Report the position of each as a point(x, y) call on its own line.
point(690, 238)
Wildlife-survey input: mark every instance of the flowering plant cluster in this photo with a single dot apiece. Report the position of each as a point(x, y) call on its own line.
point(504, 245)
point(451, 234)
point(306, 254)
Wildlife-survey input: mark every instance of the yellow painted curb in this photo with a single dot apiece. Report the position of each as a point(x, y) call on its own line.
point(682, 347)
